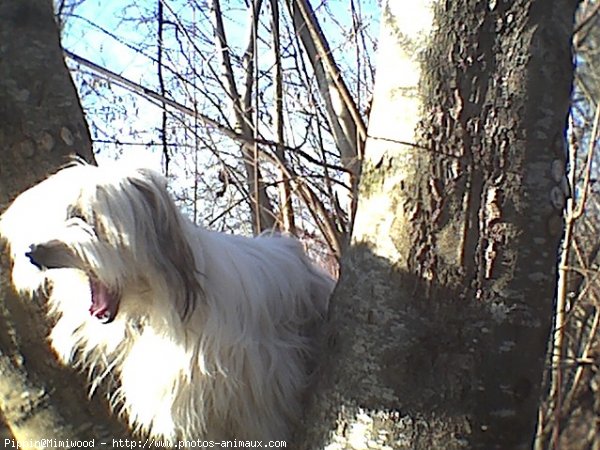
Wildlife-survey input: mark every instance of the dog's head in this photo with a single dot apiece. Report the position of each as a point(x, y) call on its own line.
point(120, 227)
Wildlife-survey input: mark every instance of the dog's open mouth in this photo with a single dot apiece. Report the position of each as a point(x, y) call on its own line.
point(56, 255)
point(105, 303)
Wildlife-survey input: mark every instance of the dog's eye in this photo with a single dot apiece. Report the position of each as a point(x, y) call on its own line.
point(74, 212)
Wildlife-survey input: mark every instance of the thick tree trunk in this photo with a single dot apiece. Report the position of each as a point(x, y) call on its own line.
point(41, 126)
point(441, 318)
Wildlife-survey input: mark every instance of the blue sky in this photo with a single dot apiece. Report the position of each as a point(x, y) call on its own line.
point(83, 33)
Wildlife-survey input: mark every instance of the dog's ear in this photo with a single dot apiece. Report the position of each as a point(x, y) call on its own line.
point(170, 232)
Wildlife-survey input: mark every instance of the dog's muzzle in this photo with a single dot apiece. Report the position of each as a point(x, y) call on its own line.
point(56, 255)
point(52, 255)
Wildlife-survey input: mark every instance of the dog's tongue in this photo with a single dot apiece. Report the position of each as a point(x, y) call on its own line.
point(104, 302)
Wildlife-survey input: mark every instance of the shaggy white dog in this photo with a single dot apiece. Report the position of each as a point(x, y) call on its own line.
point(201, 334)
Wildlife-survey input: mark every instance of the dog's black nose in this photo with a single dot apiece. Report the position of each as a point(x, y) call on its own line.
point(31, 254)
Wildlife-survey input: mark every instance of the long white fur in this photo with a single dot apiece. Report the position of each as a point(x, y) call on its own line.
point(232, 366)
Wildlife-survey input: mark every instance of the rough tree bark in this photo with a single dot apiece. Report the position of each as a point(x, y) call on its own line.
point(440, 322)
point(41, 126)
